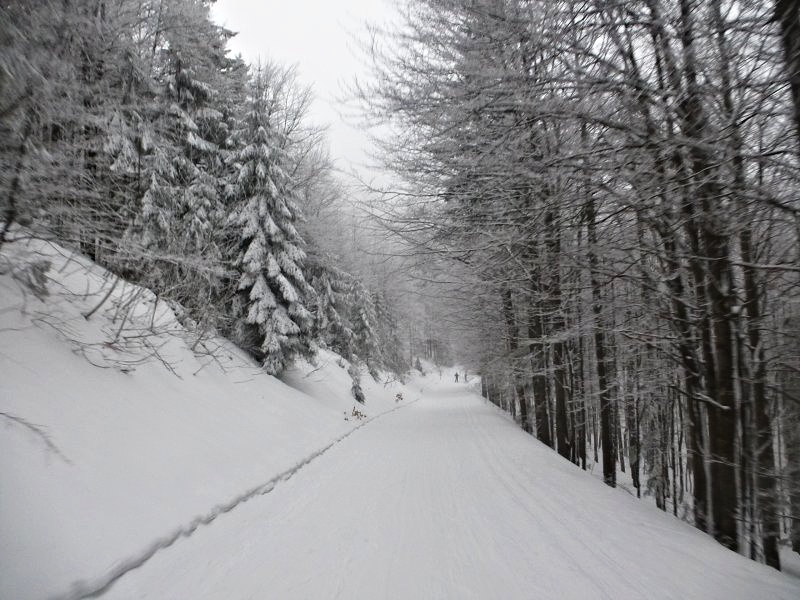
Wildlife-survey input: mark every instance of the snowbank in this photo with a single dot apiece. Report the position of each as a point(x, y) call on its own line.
point(124, 428)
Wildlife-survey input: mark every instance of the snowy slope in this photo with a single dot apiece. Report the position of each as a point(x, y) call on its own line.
point(115, 435)
point(447, 498)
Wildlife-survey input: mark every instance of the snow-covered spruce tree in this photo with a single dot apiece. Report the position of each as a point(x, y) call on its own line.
point(192, 117)
point(270, 318)
point(366, 343)
point(198, 76)
point(332, 327)
point(331, 284)
point(56, 96)
point(185, 171)
point(391, 346)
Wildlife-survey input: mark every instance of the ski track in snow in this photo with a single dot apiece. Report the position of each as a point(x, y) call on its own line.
point(449, 499)
point(82, 590)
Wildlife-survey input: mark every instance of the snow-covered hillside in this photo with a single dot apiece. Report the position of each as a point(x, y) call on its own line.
point(122, 431)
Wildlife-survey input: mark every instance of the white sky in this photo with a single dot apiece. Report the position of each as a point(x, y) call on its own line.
point(319, 36)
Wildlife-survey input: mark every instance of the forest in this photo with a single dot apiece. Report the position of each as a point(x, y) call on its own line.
point(130, 135)
point(608, 191)
point(590, 204)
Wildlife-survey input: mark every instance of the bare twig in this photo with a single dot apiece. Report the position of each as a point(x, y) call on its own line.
point(89, 314)
point(36, 429)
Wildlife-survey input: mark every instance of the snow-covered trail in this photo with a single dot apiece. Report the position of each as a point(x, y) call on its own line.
point(447, 498)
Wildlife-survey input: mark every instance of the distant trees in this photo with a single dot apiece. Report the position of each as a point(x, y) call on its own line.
point(621, 179)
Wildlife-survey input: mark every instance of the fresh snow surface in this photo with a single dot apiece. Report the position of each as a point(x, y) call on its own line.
point(125, 480)
point(105, 455)
point(447, 498)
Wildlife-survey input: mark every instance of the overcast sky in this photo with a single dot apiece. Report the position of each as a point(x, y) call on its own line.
point(320, 37)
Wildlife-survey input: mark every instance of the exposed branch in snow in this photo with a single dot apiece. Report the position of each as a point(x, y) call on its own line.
point(39, 432)
point(111, 289)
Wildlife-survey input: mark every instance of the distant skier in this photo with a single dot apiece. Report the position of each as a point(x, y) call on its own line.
point(456, 376)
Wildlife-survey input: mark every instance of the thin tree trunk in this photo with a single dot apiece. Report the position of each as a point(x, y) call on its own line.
point(580, 408)
point(12, 197)
point(673, 454)
point(681, 479)
point(765, 457)
point(618, 432)
point(539, 378)
point(632, 421)
point(787, 15)
point(791, 420)
point(603, 380)
point(513, 346)
point(556, 330)
point(559, 373)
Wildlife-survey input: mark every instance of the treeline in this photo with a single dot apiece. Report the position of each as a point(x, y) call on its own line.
point(616, 186)
point(129, 134)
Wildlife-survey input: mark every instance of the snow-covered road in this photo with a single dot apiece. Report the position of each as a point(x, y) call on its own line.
point(446, 498)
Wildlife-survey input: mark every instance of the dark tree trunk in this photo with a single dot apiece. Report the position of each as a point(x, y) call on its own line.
point(763, 492)
point(603, 380)
point(682, 321)
point(580, 409)
point(12, 197)
point(722, 424)
point(556, 330)
point(765, 457)
point(673, 454)
point(619, 434)
point(696, 433)
point(787, 15)
point(632, 421)
point(539, 378)
point(791, 420)
point(513, 347)
point(722, 421)
point(560, 374)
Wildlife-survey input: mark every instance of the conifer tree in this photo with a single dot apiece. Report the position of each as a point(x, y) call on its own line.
point(182, 137)
point(271, 320)
point(330, 285)
point(366, 344)
point(388, 335)
point(197, 69)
